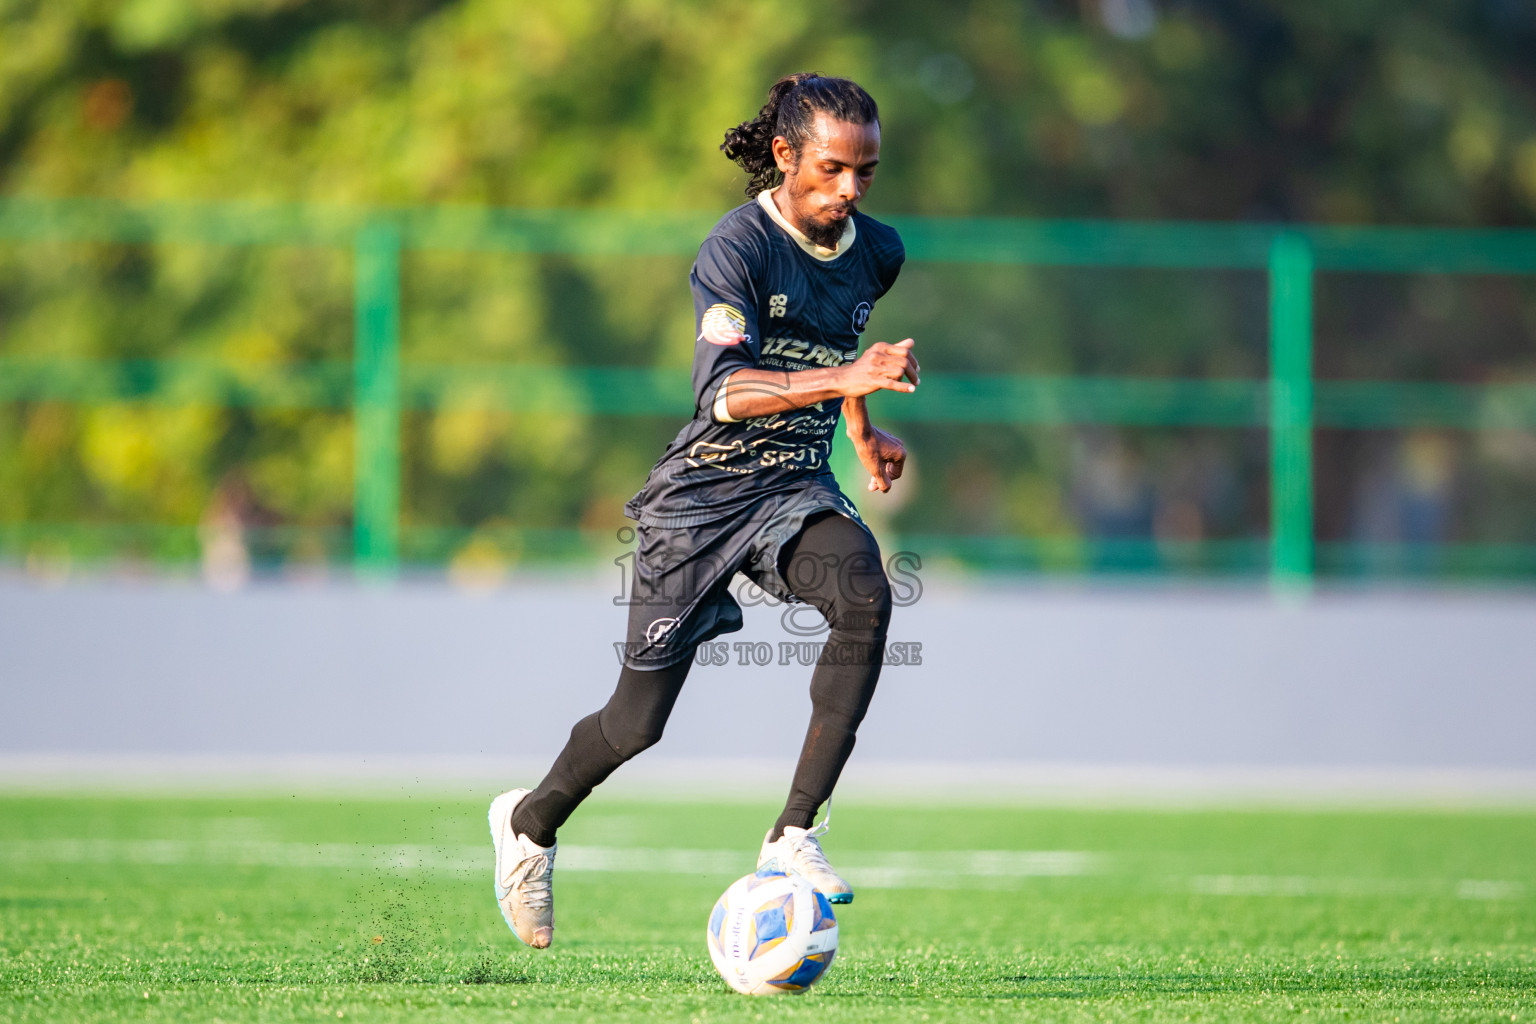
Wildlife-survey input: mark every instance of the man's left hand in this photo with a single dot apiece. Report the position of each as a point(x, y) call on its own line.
point(883, 455)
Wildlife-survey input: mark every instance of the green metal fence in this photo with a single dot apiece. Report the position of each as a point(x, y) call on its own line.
point(375, 384)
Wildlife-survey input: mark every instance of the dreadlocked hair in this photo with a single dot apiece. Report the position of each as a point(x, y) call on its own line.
point(791, 110)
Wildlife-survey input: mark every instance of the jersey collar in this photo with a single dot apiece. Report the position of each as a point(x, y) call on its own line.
point(821, 252)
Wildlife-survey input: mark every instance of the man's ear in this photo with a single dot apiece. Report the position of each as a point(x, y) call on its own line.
point(783, 154)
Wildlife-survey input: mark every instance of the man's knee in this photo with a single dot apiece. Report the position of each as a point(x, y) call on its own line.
point(635, 715)
point(631, 733)
point(862, 603)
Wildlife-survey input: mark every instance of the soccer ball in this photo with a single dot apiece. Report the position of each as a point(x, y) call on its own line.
point(772, 933)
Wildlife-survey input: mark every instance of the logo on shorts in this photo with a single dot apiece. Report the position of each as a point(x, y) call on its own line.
point(861, 316)
point(657, 632)
point(723, 325)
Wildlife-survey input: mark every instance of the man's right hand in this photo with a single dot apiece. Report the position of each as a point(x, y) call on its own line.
point(881, 368)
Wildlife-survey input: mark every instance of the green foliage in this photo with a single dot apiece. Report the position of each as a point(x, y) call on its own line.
point(1353, 113)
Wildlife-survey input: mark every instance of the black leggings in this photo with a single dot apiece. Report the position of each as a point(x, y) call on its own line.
point(831, 564)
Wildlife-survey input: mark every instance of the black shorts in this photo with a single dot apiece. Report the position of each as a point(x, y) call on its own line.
point(681, 584)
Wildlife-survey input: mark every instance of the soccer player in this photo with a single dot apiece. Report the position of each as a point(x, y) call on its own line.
point(782, 288)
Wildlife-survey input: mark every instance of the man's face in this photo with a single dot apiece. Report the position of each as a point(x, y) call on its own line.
point(834, 170)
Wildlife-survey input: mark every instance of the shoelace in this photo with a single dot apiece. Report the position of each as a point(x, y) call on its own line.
point(531, 878)
point(809, 845)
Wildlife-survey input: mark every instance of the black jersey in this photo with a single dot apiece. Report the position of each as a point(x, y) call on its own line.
point(765, 296)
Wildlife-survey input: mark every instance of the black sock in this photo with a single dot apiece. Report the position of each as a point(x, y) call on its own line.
point(788, 819)
point(584, 763)
point(631, 721)
point(844, 580)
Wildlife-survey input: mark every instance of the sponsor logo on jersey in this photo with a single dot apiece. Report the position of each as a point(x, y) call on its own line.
point(723, 325)
point(778, 305)
point(703, 452)
point(861, 316)
point(796, 350)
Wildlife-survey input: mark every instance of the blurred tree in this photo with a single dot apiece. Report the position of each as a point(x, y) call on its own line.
point(1367, 112)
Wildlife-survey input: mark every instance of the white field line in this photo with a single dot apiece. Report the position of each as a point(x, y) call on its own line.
point(953, 869)
point(957, 869)
point(1308, 885)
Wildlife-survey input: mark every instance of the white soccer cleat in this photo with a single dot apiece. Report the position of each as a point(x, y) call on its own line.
point(798, 852)
point(523, 873)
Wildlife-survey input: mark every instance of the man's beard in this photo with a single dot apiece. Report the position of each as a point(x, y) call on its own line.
point(825, 235)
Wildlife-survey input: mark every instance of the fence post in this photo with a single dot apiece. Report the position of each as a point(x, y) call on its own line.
point(376, 399)
point(1290, 413)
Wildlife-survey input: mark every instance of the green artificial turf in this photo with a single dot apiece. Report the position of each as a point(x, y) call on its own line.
point(301, 908)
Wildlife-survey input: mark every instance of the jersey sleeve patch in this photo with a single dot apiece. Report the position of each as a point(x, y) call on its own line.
point(723, 325)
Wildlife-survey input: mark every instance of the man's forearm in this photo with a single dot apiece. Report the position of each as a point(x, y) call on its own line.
point(856, 417)
point(749, 393)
